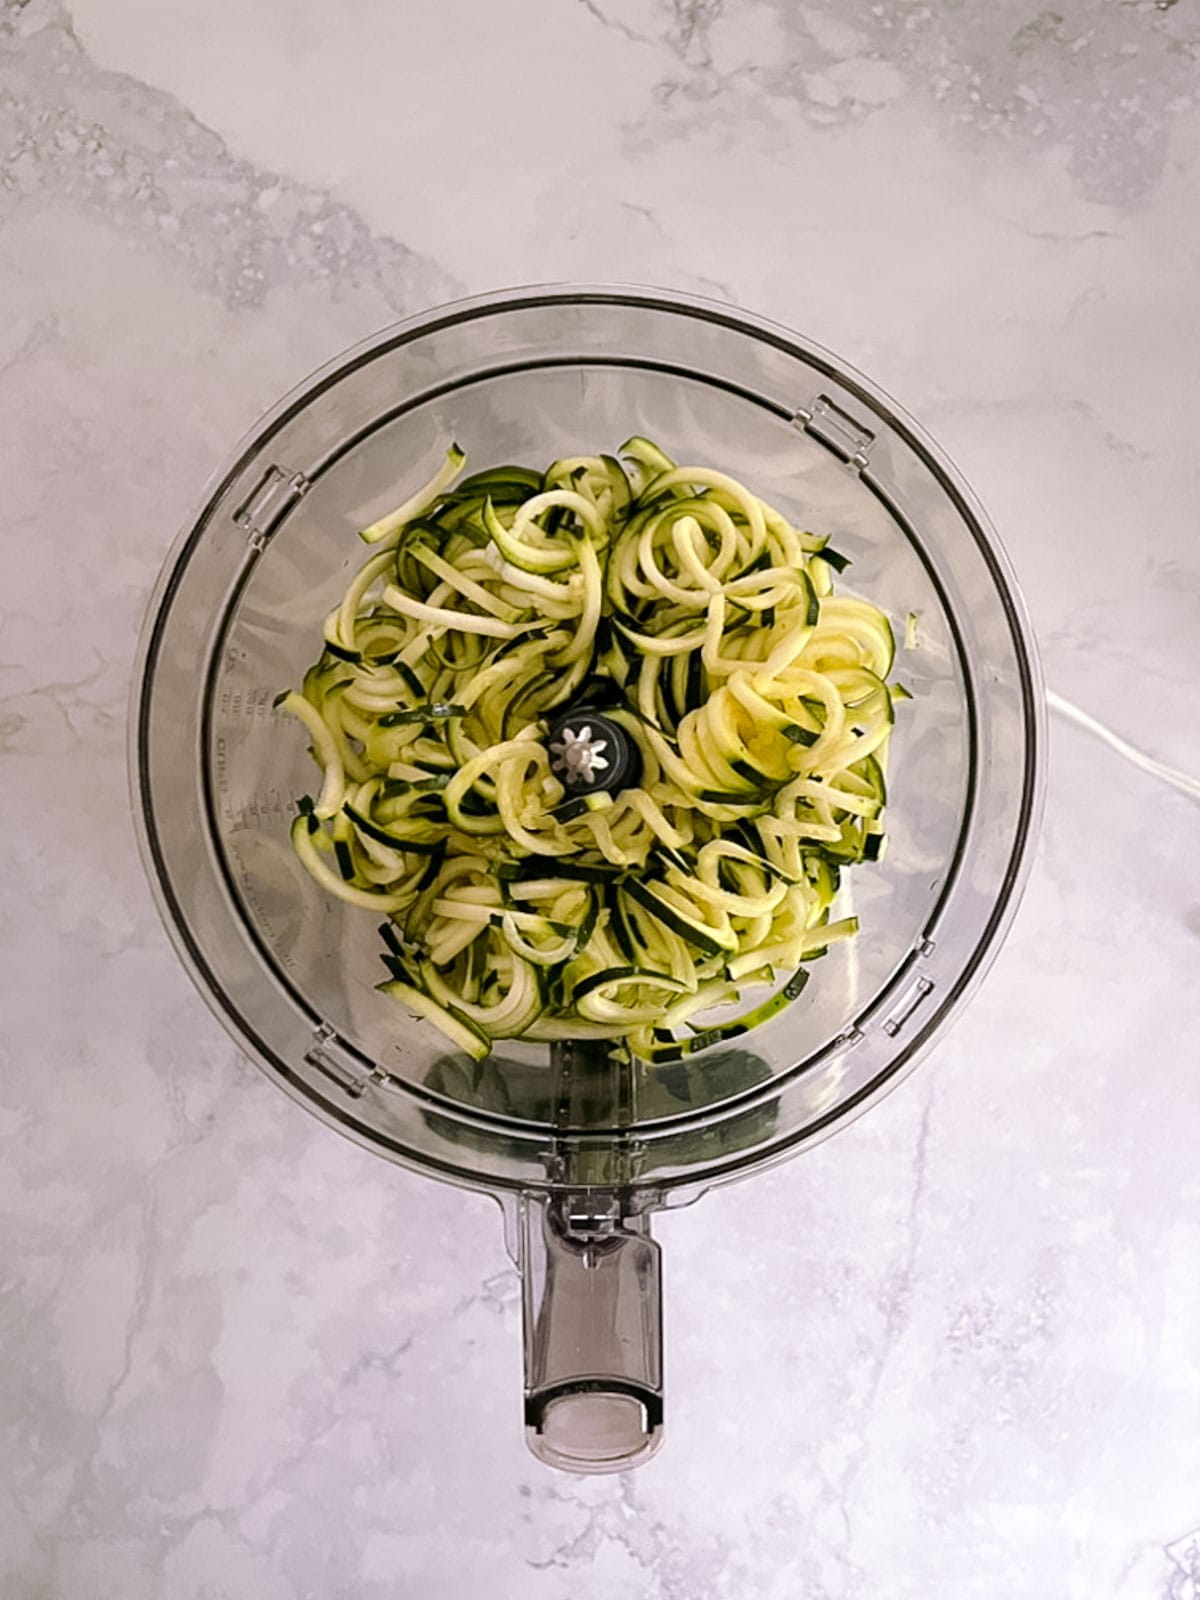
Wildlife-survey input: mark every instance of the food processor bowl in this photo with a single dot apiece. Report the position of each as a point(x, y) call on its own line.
point(579, 1147)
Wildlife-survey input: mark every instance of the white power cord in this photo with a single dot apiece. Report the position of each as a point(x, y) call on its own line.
point(1157, 769)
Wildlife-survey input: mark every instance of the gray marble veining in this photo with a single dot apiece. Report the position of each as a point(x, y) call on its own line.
point(953, 1352)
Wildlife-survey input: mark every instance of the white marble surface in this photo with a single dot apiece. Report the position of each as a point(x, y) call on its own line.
point(953, 1352)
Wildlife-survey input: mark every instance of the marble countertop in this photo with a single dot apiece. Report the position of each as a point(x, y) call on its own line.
point(955, 1351)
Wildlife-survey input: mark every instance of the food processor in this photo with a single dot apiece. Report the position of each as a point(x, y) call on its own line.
point(578, 1145)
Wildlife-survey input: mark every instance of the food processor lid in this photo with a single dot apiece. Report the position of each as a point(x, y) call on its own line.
point(525, 1120)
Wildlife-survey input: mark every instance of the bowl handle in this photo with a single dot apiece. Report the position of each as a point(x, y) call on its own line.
point(592, 1302)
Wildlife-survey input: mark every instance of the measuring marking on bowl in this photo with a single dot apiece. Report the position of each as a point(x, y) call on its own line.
point(580, 1148)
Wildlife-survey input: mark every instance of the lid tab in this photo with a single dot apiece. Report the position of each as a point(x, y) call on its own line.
point(265, 507)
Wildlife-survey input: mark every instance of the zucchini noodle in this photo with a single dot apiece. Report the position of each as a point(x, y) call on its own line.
point(676, 604)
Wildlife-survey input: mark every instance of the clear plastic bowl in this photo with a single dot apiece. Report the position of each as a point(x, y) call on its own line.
point(581, 1149)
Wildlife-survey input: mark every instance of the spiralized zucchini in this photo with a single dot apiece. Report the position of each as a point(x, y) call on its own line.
point(696, 617)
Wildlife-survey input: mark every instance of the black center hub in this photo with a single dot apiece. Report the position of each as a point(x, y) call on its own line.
point(590, 752)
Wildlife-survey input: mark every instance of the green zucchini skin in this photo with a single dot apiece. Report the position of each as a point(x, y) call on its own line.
point(699, 620)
